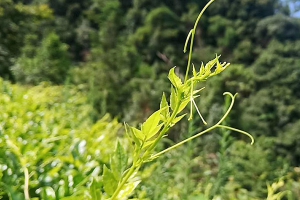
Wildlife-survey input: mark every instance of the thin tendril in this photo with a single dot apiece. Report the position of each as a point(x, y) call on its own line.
point(198, 111)
point(192, 35)
point(240, 131)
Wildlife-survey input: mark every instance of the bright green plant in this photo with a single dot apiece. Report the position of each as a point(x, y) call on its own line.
point(119, 180)
point(43, 156)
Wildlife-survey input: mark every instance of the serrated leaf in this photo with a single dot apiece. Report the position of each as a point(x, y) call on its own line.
point(109, 182)
point(173, 98)
point(151, 123)
point(119, 161)
point(128, 189)
point(164, 106)
point(175, 80)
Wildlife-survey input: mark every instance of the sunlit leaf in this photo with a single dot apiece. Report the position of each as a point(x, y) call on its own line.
point(177, 119)
point(164, 107)
point(173, 98)
point(154, 131)
point(175, 80)
point(109, 181)
point(128, 189)
point(194, 70)
point(130, 133)
point(183, 104)
point(95, 191)
point(151, 123)
point(119, 161)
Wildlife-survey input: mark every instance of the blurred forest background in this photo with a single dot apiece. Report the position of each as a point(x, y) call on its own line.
point(73, 70)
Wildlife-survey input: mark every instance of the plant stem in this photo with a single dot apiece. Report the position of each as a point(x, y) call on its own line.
point(26, 183)
point(238, 130)
point(217, 125)
point(184, 141)
point(165, 129)
point(124, 180)
point(192, 32)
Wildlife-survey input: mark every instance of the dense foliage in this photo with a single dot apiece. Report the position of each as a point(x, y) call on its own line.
point(81, 60)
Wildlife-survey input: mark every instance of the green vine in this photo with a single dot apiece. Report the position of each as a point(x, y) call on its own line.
point(120, 180)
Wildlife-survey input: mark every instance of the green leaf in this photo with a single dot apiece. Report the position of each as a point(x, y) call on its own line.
point(109, 181)
point(148, 143)
point(138, 133)
point(183, 104)
point(131, 132)
point(194, 71)
point(119, 161)
point(177, 119)
point(175, 80)
point(154, 131)
point(164, 107)
point(197, 91)
point(128, 189)
point(220, 67)
point(95, 191)
point(201, 69)
point(151, 123)
point(173, 98)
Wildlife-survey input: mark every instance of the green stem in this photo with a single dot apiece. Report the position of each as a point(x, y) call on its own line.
point(165, 129)
point(192, 34)
point(217, 125)
point(238, 130)
point(26, 183)
point(184, 141)
point(133, 168)
point(124, 180)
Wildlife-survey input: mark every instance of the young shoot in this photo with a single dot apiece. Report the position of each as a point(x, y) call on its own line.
point(119, 179)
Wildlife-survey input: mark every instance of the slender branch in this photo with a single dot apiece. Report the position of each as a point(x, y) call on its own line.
point(184, 141)
point(217, 125)
point(238, 130)
point(26, 183)
point(123, 182)
point(192, 35)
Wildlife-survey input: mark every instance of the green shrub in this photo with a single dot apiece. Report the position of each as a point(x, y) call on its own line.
point(49, 146)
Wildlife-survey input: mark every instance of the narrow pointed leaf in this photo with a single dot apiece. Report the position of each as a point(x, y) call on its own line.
point(128, 189)
point(201, 72)
point(177, 119)
point(194, 71)
point(131, 135)
point(119, 161)
point(197, 91)
point(164, 107)
point(138, 133)
point(154, 131)
point(173, 98)
point(95, 191)
point(151, 123)
point(183, 104)
point(175, 80)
